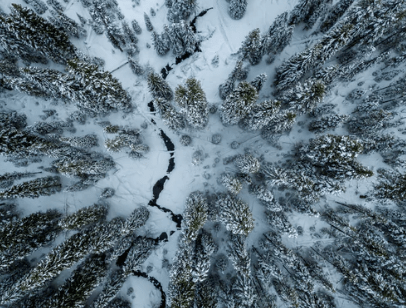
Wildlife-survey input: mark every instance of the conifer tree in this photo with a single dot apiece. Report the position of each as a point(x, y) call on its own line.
point(259, 81)
point(21, 237)
point(238, 104)
point(251, 48)
point(78, 287)
point(195, 215)
point(148, 23)
point(303, 98)
point(182, 38)
point(173, 119)
point(237, 8)
point(235, 214)
point(247, 163)
point(136, 27)
point(193, 103)
point(161, 46)
point(33, 189)
point(158, 87)
point(392, 186)
point(180, 9)
point(227, 87)
point(232, 183)
point(261, 115)
point(278, 35)
point(24, 24)
point(66, 24)
point(84, 217)
point(135, 66)
point(335, 14)
point(7, 179)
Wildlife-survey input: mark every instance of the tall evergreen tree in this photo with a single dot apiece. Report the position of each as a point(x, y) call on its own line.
point(251, 48)
point(193, 103)
point(158, 87)
point(261, 115)
point(237, 8)
point(173, 119)
point(33, 189)
point(238, 104)
point(195, 215)
point(180, 9)
point(37, 33)
point(235, 214)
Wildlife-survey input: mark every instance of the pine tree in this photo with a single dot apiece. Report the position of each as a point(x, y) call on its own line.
point(238, 104)
point(204, 248)
point(158, 87)
point(193, 103)
point(303, 98)
point(327, 123)
point(84, 217)
point(111, 287)
point(335, 14)
point(33, 189)
point(238, 254)
point(148, 23)
point(247, 163)
point(232, 183)
point(23, 23)
point(66, 24)
point(182, 38)
point(173, 119)
point(261, 115)
point(78, 287)
point(7, 179)
point(139, 252)
point(160, 45)
point(259, 81)
point(181, 10)
point(251, 48)
point(195, 215)
point(135, 66)
point(136, 27)
point(235, 214)
point(23, 236)
point(281, 123)
point(392, 186)
point(278, 35)
point(304, 10)
point(226, 88)
point(237, 8)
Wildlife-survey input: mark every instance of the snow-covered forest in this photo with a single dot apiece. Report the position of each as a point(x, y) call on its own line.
point(203, 154)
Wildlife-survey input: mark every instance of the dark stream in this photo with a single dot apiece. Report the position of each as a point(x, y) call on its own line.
point(165, 70)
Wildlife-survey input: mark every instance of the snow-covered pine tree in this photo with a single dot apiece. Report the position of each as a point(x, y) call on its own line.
point(66, 24)
point(278, 36)
point(111, 287)
point(84, 217)
point(259, 81)
point(237, 8)
point(195, 215)
point(161, 46)
point(99, 88)
point(135, 66)
point(24, 23)
point(148, 23)
point(251, 48)
point(334, 14)
point(7, 179)
point(235, 214)
point(227, 87)
point(23, 236)
point(78, 287)
point(158, 87)
point(181, 289)
point(204, 248)
point(304, 10)
point(392, 186)
point(238, 254)
point(136, 27)
point(231, 182)
point(182, 38)
point(238, 104)
point(261, 115)
point(329, 122)
point(181, 10)
point(281, 123)
point(335, 155)
point(173, 119)
point(33, 189)
point(193, 103)
point(247, 163)
point(303, 98)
